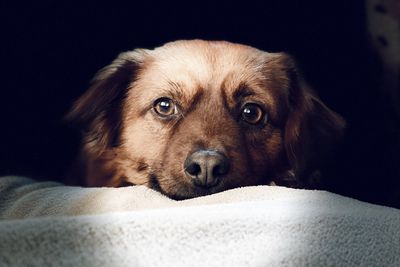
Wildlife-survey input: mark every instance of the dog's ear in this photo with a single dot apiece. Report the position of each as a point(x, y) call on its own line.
point(98, 111)
point(312, 130)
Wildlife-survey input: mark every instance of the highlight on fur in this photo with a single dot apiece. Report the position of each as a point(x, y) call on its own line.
point(197, 117)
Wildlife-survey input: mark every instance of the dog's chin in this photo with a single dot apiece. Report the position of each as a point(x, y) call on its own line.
point(182, 191)
point(194, 191)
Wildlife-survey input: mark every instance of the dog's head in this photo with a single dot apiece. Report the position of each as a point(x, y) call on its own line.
point(196, 117)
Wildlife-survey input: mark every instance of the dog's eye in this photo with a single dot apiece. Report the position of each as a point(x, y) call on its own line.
point(252, 113)
point(165, 107)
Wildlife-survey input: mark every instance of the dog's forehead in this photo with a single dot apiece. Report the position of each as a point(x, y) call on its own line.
point(204, 64)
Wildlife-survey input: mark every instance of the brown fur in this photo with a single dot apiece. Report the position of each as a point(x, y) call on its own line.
point(125, 142)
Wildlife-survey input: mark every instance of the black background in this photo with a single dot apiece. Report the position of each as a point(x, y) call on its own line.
point(50, 51)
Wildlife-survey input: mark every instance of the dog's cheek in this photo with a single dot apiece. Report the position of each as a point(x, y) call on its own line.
point(267, 154)
point(143, 141)
point(170, 175)
point(175, 154)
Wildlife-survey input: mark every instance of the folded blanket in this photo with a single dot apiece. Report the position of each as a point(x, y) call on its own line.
point(48, 224)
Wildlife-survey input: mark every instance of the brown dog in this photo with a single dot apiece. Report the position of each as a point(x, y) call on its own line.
point(196, 117)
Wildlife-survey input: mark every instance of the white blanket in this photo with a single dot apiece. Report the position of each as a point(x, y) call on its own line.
point(48, 224)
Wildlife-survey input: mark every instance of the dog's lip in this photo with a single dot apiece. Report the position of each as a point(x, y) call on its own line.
point(188, 188)
point(189, 195)
point(194, 191)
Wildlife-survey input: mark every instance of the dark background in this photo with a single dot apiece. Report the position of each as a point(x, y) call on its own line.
point(50, 51)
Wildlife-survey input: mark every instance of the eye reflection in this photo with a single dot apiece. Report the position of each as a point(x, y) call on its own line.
point(165, 107)
point(252, 113)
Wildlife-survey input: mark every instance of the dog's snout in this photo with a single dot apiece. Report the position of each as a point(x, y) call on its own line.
point(206, 167)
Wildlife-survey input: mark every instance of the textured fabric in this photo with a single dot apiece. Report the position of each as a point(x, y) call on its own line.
point(135, 226)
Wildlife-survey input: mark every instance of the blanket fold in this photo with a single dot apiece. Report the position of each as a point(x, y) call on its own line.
point(49, 224)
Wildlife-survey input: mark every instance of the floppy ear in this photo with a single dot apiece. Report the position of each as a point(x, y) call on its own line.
point(312, 130)
point(98, 111)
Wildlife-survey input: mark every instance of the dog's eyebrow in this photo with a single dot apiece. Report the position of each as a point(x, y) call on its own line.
point(242, 91)
point(175, 89)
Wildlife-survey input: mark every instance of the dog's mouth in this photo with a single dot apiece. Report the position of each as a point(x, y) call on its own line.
point(187, 190)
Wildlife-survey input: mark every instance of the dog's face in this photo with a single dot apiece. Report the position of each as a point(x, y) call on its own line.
point(192, 118)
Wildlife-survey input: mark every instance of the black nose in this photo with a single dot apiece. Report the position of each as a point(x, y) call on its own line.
point(206, 167)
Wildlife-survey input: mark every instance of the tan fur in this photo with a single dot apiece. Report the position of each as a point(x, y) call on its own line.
point(126, 143)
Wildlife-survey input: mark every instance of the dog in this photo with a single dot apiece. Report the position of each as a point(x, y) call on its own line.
point(195, 117)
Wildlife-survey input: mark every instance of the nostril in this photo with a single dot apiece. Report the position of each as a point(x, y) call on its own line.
point(193, 169)
point(220, 169)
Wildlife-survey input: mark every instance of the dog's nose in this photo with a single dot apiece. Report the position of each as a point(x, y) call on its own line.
point(206, 167)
